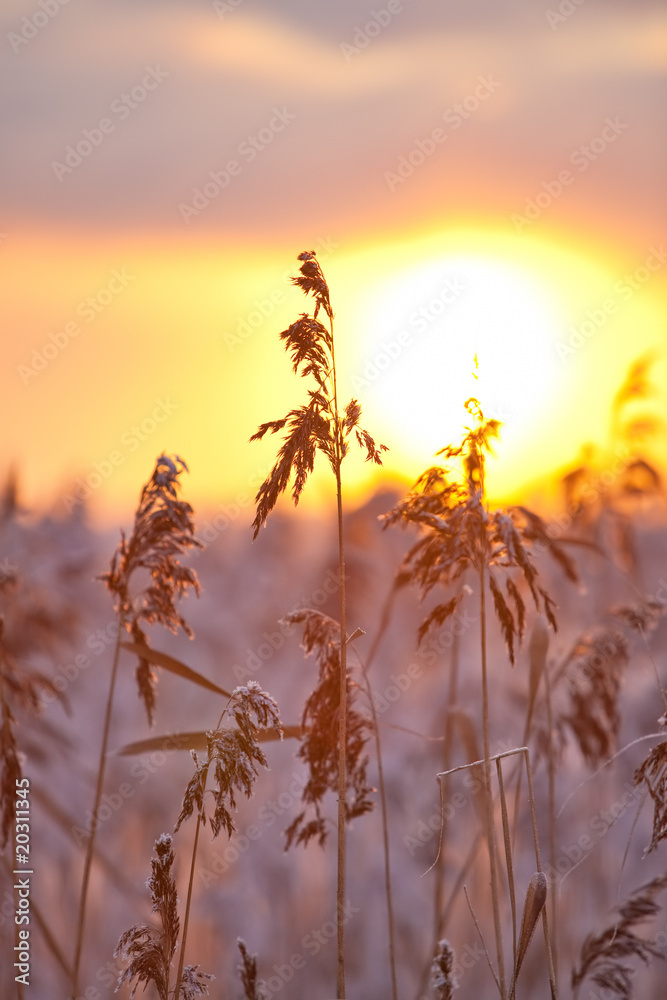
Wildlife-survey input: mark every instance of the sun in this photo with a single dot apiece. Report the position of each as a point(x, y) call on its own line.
point(429, 323)
point(429, 327)
point(441, 331)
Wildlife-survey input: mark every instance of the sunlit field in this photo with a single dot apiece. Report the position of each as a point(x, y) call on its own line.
point(333, 528)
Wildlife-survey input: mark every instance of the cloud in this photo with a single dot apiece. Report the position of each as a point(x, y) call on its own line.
point(357, 111)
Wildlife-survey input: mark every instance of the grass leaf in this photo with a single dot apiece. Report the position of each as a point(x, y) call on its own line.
point(197, 741)
point(536, 896)
point(174, 666)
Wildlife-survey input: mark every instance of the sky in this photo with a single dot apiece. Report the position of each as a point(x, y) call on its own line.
point(477, 179)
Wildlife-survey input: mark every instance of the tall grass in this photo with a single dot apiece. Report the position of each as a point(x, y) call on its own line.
point(322, 426)
point(567, 695)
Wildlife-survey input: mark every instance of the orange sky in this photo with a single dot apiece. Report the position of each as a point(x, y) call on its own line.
point(472, 183)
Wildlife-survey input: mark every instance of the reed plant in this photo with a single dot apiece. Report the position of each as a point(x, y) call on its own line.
point(322, 425)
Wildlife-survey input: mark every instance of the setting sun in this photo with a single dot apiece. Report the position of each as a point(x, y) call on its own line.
point(518, 305)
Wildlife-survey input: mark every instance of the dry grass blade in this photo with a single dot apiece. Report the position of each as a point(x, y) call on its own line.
point(467, 733)
point(653, 772)
point(509, 861)
point(538, 648)
point(481, 938)
point(604, 956)
point(536, 896)
point(174, 666)
point(198, 740)
point(252, 990)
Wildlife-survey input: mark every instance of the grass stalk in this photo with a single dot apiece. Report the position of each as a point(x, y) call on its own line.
point(551, 765)
point(452, 698)
point(385, 839)
point(481, 936)
point(90, 847)
point(439, 910)
point(342, 729)
point(488, 797)
point(186, 917)
point(508, 856)
point(342, 720)
point(536, 841)
point(319, 426)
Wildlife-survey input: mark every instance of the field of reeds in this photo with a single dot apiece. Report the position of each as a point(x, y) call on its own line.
point(415, 751)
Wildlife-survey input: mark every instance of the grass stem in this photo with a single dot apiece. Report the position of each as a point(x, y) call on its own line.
point(90, 848)
point(488, 796)
point(186, 918)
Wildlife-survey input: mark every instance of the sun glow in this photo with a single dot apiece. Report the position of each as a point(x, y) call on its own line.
point(430, 327)
point(515, 305)
point(197, 327)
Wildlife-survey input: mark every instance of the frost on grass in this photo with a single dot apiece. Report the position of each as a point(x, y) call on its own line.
point(443, 980)
point(163, 531)
point(320, 729)
point(150, 949)
point(233, 756)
